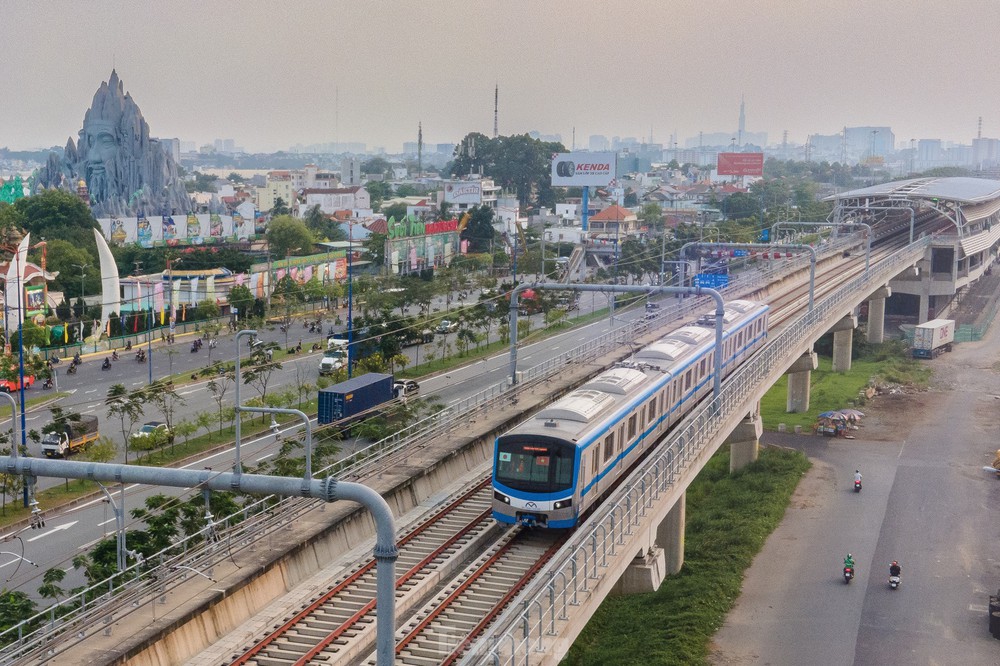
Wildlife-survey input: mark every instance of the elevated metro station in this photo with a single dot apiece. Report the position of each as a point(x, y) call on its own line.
point(962, 215)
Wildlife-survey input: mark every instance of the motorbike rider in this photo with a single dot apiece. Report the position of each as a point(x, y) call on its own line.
point(114, 354)
point(857, 476)
point(76, 359)
point(894, 568)
point(849, 562)
point(107, 363)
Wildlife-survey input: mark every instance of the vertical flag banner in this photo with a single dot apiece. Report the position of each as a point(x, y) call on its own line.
point(194, 290)
point(158, 300)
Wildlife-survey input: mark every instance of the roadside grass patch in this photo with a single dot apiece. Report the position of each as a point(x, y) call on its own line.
point(729, 517)
point(831, 390)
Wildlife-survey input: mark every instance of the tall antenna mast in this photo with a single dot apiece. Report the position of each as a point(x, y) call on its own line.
point(574, 137)
point(979, 134)
point(496, 111)
point(420, 147)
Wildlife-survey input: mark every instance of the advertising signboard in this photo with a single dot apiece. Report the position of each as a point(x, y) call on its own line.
point(583, 169)
point(469, 193)
point(741, 164)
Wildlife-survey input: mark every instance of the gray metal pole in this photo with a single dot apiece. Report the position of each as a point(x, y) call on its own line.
point(720, 311)
point(868, 245)
point(328, 490)
point(301, 415)
point(237, 468)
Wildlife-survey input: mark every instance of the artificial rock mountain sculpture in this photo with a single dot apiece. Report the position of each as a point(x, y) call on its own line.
point(126, 172)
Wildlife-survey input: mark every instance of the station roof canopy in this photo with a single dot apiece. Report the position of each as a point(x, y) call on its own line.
point(958, 190)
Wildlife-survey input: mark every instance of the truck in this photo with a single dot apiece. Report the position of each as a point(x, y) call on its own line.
point(933, 337)
point(70, 436)
point(335, 356)
point(346, 400)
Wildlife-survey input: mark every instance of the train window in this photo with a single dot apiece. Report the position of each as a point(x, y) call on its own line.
point(651, 410)
point(631, 427)
point(595, 462)
point(609, 446)
point(535, 466)
point(687, 381)
point(701, 368)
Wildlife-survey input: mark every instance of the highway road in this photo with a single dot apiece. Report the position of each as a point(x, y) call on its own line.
point(71, 532)
point(926, 502)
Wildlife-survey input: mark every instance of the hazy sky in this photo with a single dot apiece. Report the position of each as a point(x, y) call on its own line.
point(267, 74)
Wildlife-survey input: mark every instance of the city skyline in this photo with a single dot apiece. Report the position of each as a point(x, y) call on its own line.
point(331, 74)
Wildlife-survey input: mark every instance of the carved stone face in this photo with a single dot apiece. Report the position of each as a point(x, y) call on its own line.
point(99, 146)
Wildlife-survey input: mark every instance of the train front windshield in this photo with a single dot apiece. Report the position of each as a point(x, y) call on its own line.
point(532, 465)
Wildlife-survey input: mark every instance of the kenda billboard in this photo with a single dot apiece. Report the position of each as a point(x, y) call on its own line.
point(572, 169)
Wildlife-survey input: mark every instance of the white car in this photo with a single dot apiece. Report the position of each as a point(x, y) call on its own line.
point(405, 387)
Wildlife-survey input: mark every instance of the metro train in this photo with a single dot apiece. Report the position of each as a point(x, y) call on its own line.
point(550, 469)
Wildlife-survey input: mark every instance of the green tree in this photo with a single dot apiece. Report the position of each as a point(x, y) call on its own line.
point(280, 207)
point(375, 165)
point(103, 450)
point(241, 298)
point(479, 231)
point(65, 258)
point(374, 247)
point(11, 485)
point(56, 214)
point(202, 183)
point(50, 589)
point(218, 388)
point(185, 429)
point(126, 406)
point(260, 369)
point(286, 235)
point(15, 607)
point(378, 191)
point(161, 394)
point(397, 211)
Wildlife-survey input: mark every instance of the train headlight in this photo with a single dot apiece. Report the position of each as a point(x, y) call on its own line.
point(563, 504)
point(501, 497)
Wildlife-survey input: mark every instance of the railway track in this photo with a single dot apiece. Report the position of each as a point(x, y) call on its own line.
point(441, 631)
point(340, 622)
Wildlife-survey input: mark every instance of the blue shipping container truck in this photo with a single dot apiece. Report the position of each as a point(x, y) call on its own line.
point(347, 399)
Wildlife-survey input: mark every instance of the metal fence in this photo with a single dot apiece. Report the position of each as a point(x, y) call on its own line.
point(522, 633)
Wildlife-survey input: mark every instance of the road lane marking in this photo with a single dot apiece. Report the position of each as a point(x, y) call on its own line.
point(109, 520)
point(88, 545)
point(91, 391)
point(60, 528)
point(264, 457)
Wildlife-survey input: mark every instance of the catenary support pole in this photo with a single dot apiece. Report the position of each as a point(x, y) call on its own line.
point(328, 490)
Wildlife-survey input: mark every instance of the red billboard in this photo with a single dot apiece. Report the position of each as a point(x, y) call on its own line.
point(741, 164)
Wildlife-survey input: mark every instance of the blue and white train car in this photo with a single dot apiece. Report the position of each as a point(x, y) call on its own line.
point(552, 468)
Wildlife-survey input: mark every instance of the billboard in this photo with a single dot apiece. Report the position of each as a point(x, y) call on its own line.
point(469, 193)
point(741, 164)
point(583, 169)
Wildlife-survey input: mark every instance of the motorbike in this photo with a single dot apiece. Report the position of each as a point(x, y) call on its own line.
point(106, 365)
point(114, 356)
point(47, 384)
point(54, 360)
point(71, 370)
point(128, 346)
point(194, 347)
point(893, 582)
point(140, 356)
point(857, 486)
point(76, 360)
point(848, 574)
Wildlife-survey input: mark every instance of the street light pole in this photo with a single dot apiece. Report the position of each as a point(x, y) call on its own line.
point(350, 299)
point(83, 268)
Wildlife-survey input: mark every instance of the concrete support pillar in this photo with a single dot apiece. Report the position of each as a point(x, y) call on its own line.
point(670, 535)
point(876, 315)
point(843, 342)
point(925, 304)
point(644, 573)
point(799, 377)
point(744, 442)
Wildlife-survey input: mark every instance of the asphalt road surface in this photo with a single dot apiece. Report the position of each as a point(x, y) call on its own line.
point(926, 502)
